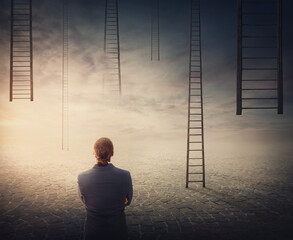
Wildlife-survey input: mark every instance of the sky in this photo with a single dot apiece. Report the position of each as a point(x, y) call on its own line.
point(151, 115)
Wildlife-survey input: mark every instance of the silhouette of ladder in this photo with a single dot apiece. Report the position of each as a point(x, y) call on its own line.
point(155, 31)
point(195, 169)
point(112, 76)
point(65, 127)
point(259, 67)
point(21, 51)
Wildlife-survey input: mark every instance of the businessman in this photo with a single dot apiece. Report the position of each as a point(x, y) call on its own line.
point(105, 190)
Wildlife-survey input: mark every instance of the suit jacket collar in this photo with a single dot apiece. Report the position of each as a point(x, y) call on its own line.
point(110, 165)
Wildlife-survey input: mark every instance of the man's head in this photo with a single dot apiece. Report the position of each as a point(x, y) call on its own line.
point(103, 149)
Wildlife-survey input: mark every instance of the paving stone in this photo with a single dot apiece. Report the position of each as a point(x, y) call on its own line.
point(241, 201)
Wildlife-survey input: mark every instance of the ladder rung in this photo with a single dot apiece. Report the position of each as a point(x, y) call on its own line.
point(21, 98)
point(22, 25)
point(258, 80)
point(259, 68)
point(258, 1)
point(195, 165)
point(259, 57)
point(195, 134)
point(195, 150)
point(195, 181)
point(259, 36)
point(259, 47)
point(196, 173)
point(195, 142)
point(259, 98)
point(259, 108)
point(258, 13)
point(195, 128)
point(195, 158)
point(20, 80)
point(259, 25)
point(21, 75)
point(252, 89)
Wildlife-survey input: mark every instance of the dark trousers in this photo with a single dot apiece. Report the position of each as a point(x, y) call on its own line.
point(105, 227)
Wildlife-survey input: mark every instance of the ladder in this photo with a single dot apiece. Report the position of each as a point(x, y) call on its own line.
point(155, 31)
point(112, 75)
point(259, 58)
point(195, 168)
point(65, 127)
point(21, 51)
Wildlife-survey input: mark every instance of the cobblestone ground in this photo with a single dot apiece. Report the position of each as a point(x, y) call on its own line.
point(245, 198)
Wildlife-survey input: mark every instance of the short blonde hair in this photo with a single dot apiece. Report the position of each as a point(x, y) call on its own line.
point(104, 149)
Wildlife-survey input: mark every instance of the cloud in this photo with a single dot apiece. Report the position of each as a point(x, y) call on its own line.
point(153, 106)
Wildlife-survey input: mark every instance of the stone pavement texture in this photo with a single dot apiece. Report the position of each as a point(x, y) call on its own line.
point(245, 198)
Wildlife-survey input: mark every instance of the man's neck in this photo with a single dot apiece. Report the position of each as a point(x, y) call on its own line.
point(102, 164)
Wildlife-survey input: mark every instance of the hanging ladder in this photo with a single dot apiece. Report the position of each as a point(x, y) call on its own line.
point(21, 51)
point(195, 169)
point(65, 127)
point(155, 31)
point(112, 76)
point(259, 60)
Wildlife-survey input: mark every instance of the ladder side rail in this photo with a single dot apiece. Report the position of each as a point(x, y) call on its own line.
point(201, 96)
point(11, 52)
point(105, 31)
point(158, 20)
point(280, 60)
point(155, 31)
point(189, 98)
point(239, 59)
point(31, 55)
point(118, 48)
point(65, 127)
point(152, 29)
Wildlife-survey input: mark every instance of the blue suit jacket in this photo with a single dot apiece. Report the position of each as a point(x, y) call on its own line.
point(103, 189)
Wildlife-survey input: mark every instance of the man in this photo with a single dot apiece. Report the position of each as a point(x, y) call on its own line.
point(105, 190)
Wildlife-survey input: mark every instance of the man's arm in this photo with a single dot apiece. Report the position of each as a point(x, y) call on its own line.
point(81, 197)
point(130, 191)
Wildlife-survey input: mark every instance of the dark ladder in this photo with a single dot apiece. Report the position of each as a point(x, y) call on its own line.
point(21, 51)
point(259, 60)
point(65, 130)
point(155, 31)
point(112, 76)
point(195, 169)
